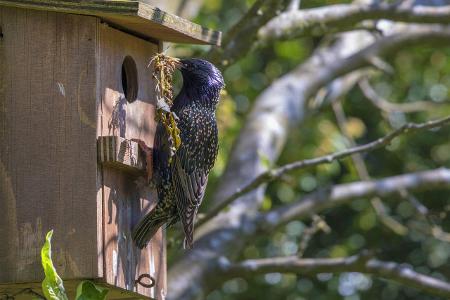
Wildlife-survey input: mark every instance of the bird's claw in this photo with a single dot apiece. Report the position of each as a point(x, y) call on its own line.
point(148, 158)
point(152, 183)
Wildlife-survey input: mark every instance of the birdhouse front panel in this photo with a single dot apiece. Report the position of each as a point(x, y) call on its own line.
point(127, 112)
point(48, 129)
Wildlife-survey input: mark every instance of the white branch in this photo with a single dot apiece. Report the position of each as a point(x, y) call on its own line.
point(344, 193)
point(344, 17)
point(400, 273)
point(389, 107)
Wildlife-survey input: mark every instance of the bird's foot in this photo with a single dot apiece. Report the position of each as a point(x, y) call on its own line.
point(151, 183)
point(148, 158)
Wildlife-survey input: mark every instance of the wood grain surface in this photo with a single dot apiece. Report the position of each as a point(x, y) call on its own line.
point(60, 90)
point(134, 16)
point(120, 153)
point(126, 198)
point(47, 148)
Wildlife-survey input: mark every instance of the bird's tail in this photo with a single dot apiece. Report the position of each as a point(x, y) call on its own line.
point(188, 242)
point(148, 226)
point(188, 227)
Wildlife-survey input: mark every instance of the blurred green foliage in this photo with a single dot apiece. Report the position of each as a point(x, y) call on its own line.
point(421, 74)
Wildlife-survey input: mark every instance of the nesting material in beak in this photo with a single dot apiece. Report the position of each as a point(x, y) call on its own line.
point(164, 67)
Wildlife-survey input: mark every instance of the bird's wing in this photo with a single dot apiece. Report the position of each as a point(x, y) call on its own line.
point(189, 190)
point(191, 166)
point(161, 152)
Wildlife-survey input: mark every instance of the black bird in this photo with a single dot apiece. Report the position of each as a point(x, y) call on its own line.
point(181, 182)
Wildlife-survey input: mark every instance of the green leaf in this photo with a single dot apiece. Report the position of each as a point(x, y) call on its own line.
point(52, 286)
point(87, 290)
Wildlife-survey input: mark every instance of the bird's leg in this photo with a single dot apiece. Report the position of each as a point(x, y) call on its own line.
point(148, 158)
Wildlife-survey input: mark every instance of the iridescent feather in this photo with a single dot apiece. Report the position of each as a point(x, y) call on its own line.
point(181, 183)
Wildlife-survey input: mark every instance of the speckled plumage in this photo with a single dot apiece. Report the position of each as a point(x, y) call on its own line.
point(181, 184)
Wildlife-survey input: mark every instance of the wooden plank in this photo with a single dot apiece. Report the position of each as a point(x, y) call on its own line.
point(125, 198)
point(19, 290)
point(48, 152)
point(120, 153)
point(133, 16)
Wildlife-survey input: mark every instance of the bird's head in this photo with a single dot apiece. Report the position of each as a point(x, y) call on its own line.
point(201, 75)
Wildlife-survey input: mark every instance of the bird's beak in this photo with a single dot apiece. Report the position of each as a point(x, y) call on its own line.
point(179, 63)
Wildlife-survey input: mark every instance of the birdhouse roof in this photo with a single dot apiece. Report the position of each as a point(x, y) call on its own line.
point(133, 16)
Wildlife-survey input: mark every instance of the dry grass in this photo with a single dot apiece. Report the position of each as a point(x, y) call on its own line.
point(164, 67)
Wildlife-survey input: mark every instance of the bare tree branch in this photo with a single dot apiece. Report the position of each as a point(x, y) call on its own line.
point(400, 273)
point(338, 88)
point(343, 193)
point(433, 230)
point(239, 39)
point(389, 107)
point(294, 5)
point(343, 17)
point(279, 107)
point(274, 174)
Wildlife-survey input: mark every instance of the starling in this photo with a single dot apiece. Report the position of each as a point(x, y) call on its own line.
point(181, 180)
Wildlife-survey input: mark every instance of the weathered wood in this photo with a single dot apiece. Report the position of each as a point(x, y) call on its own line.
point(69, 285)
point(47, 148)
point(134, 16)
point(60, 90)
point(120, 153)
point(125, 199)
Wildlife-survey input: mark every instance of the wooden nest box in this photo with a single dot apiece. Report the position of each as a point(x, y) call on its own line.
point(75, 88)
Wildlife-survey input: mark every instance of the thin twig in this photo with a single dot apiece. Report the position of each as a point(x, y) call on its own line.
point(318, 224)
point(389, 107)
point(273, 174)
point(435, 231)
point(381, 64)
